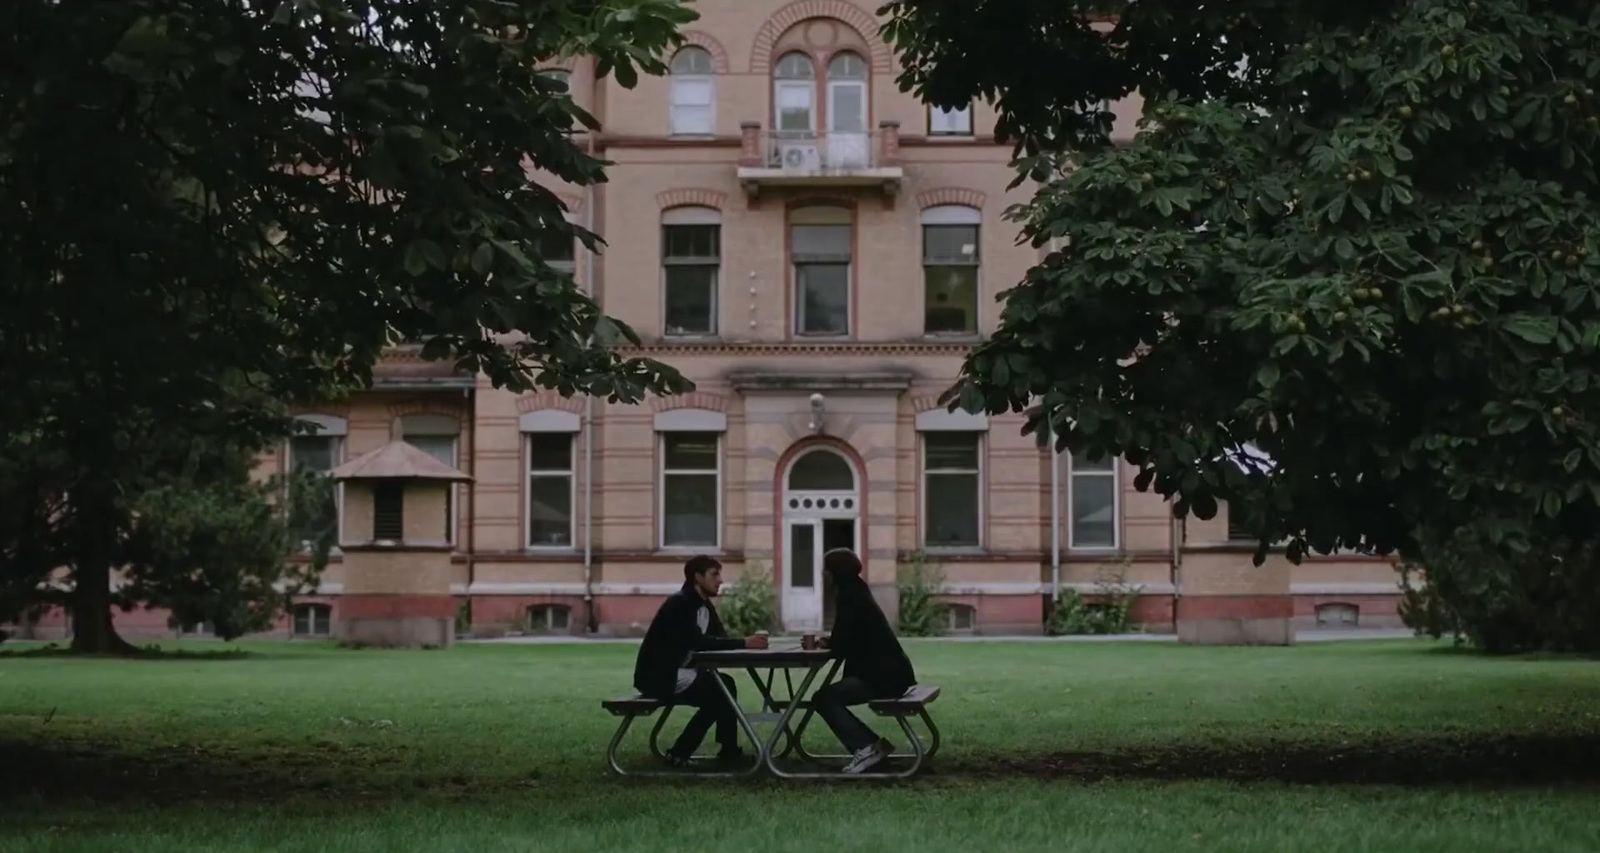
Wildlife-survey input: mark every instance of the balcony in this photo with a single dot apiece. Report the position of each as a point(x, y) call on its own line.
point(825, 159)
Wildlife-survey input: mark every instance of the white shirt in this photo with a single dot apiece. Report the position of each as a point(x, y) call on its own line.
point(702, 619)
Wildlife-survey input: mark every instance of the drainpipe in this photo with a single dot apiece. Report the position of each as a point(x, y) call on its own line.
point(1180, 529)
point(1055, 522)
point(590, 621)
point(469, 510)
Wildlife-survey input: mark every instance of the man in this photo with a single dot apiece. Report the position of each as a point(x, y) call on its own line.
point(875, 667)
point(685, 624)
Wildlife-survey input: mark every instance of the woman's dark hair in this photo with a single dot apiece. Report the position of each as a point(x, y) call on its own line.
point(699, 565)
point(841, 563)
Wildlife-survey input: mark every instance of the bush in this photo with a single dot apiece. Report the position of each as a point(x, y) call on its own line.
point(1111, 613)
point(749, 604)
point(1501, 601)
point(922, 614)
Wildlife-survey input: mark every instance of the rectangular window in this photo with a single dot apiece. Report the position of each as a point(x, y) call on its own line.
point(951, 488)
point(1092, 498)
point(950, 122)
point(691, 259)
point(313, 620)
point(822, 279)
point(950, 272)
point(691, 107)
point(550, 489)
point(559, 249)
point(795, 101)
point(442, 448)
point(320, 454)
point(691, 489)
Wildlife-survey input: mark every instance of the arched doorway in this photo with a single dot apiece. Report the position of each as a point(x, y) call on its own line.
point(821, 510)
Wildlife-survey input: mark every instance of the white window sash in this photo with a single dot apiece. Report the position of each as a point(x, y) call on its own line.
point(922, 503)
point(1073, 477)
point(528, 475)
point(661, 495)
point(950, 122)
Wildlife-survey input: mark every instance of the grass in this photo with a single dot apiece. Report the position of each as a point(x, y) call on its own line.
point(1404, 745)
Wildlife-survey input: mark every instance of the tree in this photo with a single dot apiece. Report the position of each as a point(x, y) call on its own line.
point(1360, 238)
point(207, 205)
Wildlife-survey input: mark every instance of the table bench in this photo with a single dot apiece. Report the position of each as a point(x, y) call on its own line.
point(637, 705)
point(913, 703)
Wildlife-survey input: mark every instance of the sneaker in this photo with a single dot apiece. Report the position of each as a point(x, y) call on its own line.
point(731, 755)
point(886, 747)
point(672, 759)
point(865, 759)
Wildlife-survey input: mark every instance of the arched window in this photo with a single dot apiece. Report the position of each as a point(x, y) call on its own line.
point(313, 620)
point(693, 93)
point(822, 471)
point(950, 260)
point(549, 618)
point(795, 94)
point(847, 94)
point(691, 259)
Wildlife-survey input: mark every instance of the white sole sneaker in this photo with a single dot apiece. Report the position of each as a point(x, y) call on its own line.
point(866, 761)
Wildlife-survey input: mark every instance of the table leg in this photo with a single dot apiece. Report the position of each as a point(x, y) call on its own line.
point(795, 701)
point(744, 723)
point(798, 739)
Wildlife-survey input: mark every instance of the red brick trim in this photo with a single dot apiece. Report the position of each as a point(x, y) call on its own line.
point(548, 400)
point(863, 22)
point(691, 197)
point(424, 406)
point(719, 54)
point(396, 607)
point(1194, 608)
point(950, 195)
point(692, 400)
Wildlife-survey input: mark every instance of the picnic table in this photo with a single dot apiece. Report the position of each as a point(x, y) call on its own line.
point(779, 712)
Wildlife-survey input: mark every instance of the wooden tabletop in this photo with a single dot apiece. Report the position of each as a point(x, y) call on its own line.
point(793, 656)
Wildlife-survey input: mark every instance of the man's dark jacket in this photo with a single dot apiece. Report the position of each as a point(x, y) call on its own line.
point(862, 636)
point(674, 635)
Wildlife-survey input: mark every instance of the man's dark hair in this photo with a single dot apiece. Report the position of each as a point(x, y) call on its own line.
point(699, 565)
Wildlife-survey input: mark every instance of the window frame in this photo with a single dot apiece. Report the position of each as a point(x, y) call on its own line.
point(953, 216)
point(548, 608)
point(933, 130)
point(691, 217)
point(453, 523)
point(528, 475)
point(312, 608)
point(826, 216)
point(923, 472)
point(862, 85)
point(663, 472)
point(1114, 473)
point(336, 430)
point(807, 84)
point(709, 78)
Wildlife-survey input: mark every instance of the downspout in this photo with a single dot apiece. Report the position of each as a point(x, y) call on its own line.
point(1180, 530)
point(590, 621)
point(469, 512)
point(1055, 525)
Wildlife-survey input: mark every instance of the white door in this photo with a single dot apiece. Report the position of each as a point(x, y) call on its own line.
point(802, 574)
point(848, 141)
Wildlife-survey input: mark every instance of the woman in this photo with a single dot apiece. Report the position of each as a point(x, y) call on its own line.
point(875, 667)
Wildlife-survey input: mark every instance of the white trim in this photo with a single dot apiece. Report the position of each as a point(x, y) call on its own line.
point(327, 425)
point(549, 420)
point(691, 420)
point(490, 588)
point(950, 126)
point(1368, 588)
point(1116, 506)
point(952, 214)
point(809, 86)
point(1011, 588)
point(922, 499)
point(691, 214)
point(710, 82)
point(661, 485)
point(528, 473)
point(939, 420)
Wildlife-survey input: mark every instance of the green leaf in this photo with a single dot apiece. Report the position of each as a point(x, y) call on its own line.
point(1533, 329)
point(483, 258)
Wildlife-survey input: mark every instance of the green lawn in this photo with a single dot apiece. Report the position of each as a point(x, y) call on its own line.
point(1405, 746)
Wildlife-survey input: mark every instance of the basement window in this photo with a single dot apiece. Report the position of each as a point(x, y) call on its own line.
point(1338, 615)
point(548, 618)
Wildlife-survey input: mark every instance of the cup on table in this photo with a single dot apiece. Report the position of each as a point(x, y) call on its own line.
point(762, 636)
point(808, 642)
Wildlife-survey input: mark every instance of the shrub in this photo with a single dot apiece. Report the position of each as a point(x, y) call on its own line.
point(1111, 613)
point(922, 614)
point(749, 604)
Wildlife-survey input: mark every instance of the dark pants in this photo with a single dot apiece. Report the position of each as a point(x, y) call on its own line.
point(832, 705)
point(713, 707)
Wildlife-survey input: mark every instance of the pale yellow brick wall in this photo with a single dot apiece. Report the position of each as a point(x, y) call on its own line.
point(397, 573)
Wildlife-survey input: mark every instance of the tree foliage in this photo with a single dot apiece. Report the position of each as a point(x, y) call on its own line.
point(208, 206)
point(1361, 237)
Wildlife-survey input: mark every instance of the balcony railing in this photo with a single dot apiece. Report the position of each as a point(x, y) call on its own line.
point(776, 158)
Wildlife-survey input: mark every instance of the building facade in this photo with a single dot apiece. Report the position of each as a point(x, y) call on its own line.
point(817, 251)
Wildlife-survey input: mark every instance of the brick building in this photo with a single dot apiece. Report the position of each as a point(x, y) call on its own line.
point(816, 250)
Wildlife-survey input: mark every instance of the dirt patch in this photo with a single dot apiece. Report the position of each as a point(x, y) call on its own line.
point(1502, 760)
point(60, 772)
